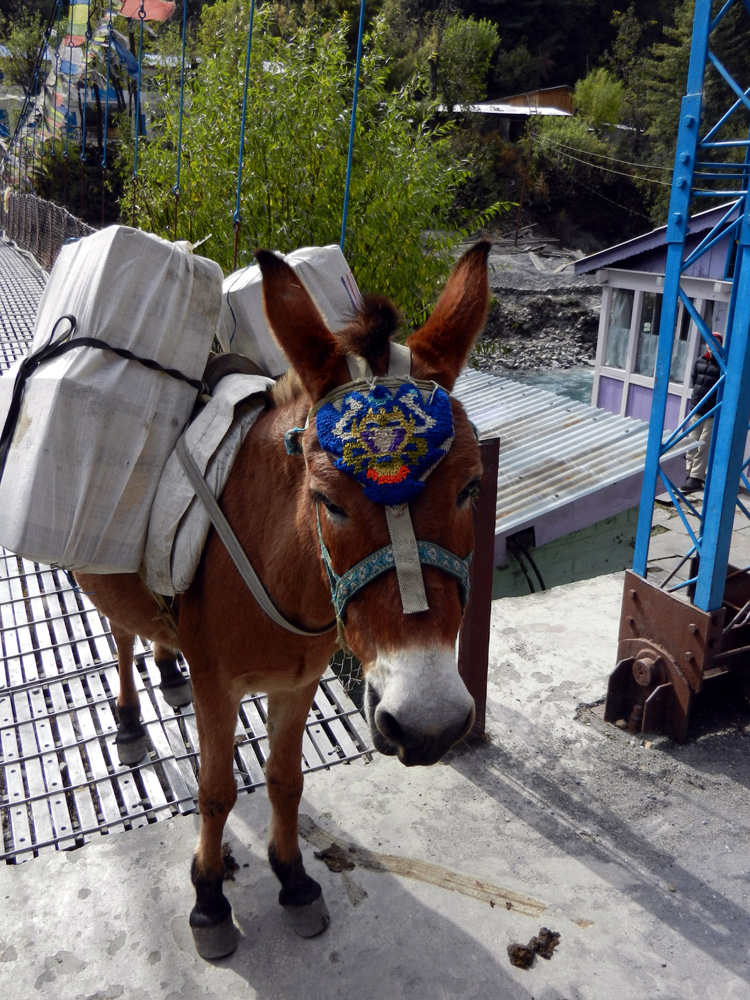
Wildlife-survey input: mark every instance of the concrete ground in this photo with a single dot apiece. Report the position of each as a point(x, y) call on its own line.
point(635, 851)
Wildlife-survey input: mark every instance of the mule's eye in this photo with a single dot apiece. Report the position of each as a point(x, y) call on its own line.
point(330, 507)
point(469, 492)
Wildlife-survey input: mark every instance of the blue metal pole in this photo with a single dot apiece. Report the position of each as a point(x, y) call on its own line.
point(679, 210)
point(729, 437)
point(352, 127)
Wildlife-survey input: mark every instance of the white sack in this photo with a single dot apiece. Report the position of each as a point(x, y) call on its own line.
point(94, 430)
point(179, 523)
point(243, 326)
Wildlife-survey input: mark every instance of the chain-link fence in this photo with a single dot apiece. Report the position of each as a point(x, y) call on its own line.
point(39, 226)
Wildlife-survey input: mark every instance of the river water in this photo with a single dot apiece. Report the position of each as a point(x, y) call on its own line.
point(573, 382)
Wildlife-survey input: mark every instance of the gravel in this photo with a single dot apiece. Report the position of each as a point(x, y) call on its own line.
point(542, 316)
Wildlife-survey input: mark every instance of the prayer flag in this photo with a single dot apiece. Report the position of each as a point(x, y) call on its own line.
point(78, 19)
point(126, 57)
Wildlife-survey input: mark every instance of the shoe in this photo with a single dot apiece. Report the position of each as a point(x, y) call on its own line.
point(692, 485)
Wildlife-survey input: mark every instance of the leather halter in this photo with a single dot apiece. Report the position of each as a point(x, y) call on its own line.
point(405, 554)
point(345, 587)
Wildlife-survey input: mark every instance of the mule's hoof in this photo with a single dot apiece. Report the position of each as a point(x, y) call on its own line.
point(311, 920)
point(218, 941)
point(177, 695)
point(131, 749)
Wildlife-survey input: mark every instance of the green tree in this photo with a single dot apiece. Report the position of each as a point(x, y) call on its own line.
point(464, 59)
point(627, 60)
point(22, 36)
point(599, 97)
point(517, 70)
point(400, 232)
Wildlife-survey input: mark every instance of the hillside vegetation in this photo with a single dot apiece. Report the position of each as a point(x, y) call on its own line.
point(424, 167)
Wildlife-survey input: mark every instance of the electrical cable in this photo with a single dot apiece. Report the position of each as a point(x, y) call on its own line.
point(612, 159)
point(609, 170)
point(514, 551)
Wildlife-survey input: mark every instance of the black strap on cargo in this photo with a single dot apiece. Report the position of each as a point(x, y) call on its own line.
point(53, 349)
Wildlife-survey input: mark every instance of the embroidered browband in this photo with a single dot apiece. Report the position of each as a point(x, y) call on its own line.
point(388, 434)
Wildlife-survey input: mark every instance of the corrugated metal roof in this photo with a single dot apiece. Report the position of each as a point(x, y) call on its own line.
point(700, 223)
point(563, 464)
point(508, 110)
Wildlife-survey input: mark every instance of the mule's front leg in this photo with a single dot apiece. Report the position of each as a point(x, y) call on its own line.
point(301, 896)
point(211, 921)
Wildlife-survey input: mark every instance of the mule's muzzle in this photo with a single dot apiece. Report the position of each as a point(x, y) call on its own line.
point(412, 743)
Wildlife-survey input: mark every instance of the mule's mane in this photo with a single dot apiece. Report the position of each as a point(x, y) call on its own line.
point(368, 334)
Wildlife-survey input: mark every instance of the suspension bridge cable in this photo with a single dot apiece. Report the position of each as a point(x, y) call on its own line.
point(84, 109)
point(352, 127)
point(57, 71)
point(237, 217)
point(106, 108)
point(176, 189)
point(67, 122)
point(142, 18)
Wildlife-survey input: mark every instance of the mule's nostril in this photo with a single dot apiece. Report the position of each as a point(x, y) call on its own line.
point(390, 728)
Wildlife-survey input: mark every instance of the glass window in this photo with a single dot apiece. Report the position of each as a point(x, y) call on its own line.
point(680, 347)
point(648, 334)
point(618, 329)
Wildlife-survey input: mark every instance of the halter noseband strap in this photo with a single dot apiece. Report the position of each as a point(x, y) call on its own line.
point(349, 584)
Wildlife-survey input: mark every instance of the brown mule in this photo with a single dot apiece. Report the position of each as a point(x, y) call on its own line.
point(284, 509)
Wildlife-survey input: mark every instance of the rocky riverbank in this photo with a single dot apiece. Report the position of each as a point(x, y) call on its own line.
point(541, 316)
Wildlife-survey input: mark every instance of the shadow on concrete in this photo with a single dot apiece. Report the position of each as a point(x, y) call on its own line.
point(570, 812)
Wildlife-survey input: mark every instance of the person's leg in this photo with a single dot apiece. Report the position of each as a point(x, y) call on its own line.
point(699, 459)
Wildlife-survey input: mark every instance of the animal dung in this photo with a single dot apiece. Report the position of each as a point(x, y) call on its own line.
point(336, 858)
point(542, 944)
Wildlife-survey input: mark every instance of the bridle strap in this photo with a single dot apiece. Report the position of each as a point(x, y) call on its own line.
point(406, 559)
point(233, 547)
point(345, 587)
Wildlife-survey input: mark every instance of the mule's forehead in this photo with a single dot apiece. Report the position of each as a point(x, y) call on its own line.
point(388, 435)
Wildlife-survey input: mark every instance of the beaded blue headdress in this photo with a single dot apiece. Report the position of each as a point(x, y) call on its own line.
point(388, 434)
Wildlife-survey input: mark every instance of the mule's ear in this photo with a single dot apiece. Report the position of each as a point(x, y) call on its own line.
point(300, 329)
point(440, 348)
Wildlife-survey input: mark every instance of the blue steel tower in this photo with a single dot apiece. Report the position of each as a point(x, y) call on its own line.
point(676, 636)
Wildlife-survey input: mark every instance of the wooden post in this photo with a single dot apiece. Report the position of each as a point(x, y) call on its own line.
point(474, 637)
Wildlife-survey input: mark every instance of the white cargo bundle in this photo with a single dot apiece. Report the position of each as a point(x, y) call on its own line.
point(94, 429)
point(242, 324)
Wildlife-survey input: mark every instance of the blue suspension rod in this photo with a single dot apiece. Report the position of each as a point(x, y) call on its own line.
point(106, 95)
point(237, 218)
point(176, 189)
point(352, 127)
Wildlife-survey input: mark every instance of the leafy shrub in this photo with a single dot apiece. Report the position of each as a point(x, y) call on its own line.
point(400, 234)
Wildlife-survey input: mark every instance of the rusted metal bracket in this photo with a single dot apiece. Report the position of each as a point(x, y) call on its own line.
point(667, 649)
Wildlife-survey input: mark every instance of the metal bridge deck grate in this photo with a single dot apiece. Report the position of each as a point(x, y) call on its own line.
point(60, 779)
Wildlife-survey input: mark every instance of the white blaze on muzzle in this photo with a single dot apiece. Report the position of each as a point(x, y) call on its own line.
point(422, 690)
